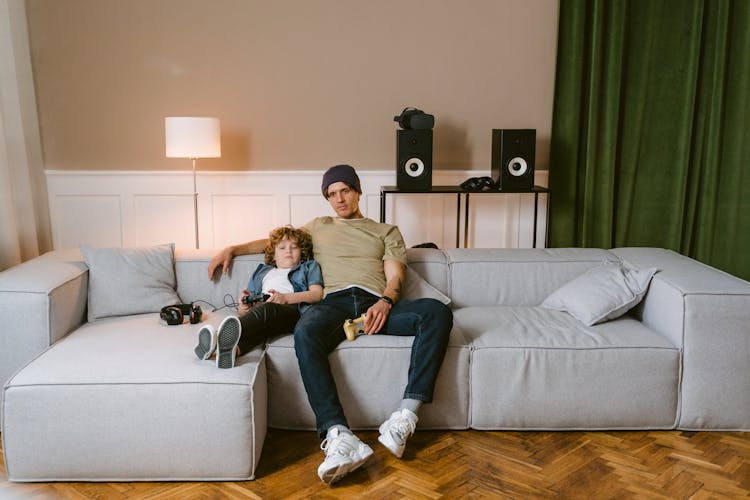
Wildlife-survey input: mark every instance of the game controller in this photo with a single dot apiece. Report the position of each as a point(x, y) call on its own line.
point(354, 326)
point(255, 297)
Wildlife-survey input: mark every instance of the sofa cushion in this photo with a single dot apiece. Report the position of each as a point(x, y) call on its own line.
point(601, 293)
point(431, 265)
point(535, 368)
point(515, 276)
point(126, 281)
point(126, 398)
point(371, 374)
point(537, 327)
point(191, 268)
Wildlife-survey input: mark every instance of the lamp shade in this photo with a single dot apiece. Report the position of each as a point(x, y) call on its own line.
point(192, 137)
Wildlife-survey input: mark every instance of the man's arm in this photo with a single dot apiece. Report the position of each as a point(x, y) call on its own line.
point(224, 257)
point(395, 274)
point(377, 315)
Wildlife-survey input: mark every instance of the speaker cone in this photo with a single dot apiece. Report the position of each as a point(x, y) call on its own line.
point(414, 167)
point(517, 166)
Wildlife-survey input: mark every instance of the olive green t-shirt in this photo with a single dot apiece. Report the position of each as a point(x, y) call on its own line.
point(352, 251)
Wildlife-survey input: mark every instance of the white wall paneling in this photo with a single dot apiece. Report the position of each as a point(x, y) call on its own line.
point(138, 208)
point(95, 219)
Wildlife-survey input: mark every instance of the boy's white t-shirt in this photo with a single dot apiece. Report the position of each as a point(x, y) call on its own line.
point(277, 279)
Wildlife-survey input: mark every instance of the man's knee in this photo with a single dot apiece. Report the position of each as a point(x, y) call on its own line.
point(439, 312)
point(309, 334)
point(302, 337)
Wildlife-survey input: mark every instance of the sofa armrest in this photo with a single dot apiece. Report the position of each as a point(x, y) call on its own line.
point(706, 312)
point(41, 301)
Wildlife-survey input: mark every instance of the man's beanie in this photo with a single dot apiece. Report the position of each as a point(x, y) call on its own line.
point(341, 173)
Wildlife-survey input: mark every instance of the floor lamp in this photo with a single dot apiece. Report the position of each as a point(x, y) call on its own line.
point(192, 137)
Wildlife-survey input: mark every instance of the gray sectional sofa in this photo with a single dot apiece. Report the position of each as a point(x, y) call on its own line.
point(123, 397)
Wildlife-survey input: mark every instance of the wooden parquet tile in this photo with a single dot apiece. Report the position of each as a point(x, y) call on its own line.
point(470, 464)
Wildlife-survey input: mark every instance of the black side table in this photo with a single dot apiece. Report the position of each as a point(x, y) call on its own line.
point(458, 191)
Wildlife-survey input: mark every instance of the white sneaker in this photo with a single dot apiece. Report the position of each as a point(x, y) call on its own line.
point(228, 337)
point(206, 342)
point(396, 430)
point(344, 454)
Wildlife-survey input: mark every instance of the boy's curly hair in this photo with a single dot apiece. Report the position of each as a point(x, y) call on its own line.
point(299, 236)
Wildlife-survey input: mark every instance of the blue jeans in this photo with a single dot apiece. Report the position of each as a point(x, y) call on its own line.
point(320, 330)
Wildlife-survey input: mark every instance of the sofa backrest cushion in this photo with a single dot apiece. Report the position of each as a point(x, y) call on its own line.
point(470, 277)
point(191, 268)
point(431, 265)
point(516, 277)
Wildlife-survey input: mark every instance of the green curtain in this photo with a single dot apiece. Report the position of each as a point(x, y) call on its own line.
point(651, 128)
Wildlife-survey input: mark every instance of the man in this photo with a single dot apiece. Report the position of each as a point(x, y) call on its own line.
point(364, 265)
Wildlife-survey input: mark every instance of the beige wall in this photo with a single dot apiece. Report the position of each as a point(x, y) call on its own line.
point(297, 84)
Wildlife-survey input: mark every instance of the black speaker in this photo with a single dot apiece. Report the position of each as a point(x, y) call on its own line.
point(513, 159)
point(414, 159)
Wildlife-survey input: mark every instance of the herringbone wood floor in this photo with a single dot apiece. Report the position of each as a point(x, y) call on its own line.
point(473, 464)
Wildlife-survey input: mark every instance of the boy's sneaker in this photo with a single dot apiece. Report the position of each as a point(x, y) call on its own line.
point(396, 430)
point(228, 336)
point(206, 342)
point(344, 454)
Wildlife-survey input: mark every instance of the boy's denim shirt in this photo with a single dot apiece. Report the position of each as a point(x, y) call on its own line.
point(301, 276)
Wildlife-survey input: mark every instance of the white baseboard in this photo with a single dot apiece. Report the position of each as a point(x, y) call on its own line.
point(138, 208)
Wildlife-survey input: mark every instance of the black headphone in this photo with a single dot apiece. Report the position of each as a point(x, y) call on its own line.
point(416, 119)
point(175, 314)
point(479, 184)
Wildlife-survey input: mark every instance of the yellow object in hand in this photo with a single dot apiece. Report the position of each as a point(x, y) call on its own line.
point(352, 326)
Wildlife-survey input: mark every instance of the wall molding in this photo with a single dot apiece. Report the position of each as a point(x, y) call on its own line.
point(138, 208)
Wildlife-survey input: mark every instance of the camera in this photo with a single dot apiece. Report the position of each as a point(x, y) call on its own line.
point(255, 297)
point(414, 119)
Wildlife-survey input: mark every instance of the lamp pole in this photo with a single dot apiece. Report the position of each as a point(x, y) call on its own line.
point(195, 204)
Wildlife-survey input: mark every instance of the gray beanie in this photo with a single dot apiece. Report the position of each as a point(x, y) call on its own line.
point(341, 173)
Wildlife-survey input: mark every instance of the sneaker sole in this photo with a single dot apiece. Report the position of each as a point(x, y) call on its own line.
point(227, 339)
point(391, 445)
point(388, 441)
point(204, 348)
point(337, 473)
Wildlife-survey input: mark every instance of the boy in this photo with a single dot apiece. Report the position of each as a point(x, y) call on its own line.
point(278, 292)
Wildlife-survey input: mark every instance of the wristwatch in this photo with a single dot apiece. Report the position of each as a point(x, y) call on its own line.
point(385, 298)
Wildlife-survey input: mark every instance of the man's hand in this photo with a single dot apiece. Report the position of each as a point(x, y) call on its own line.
point(377, 315)
point(222, 259)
